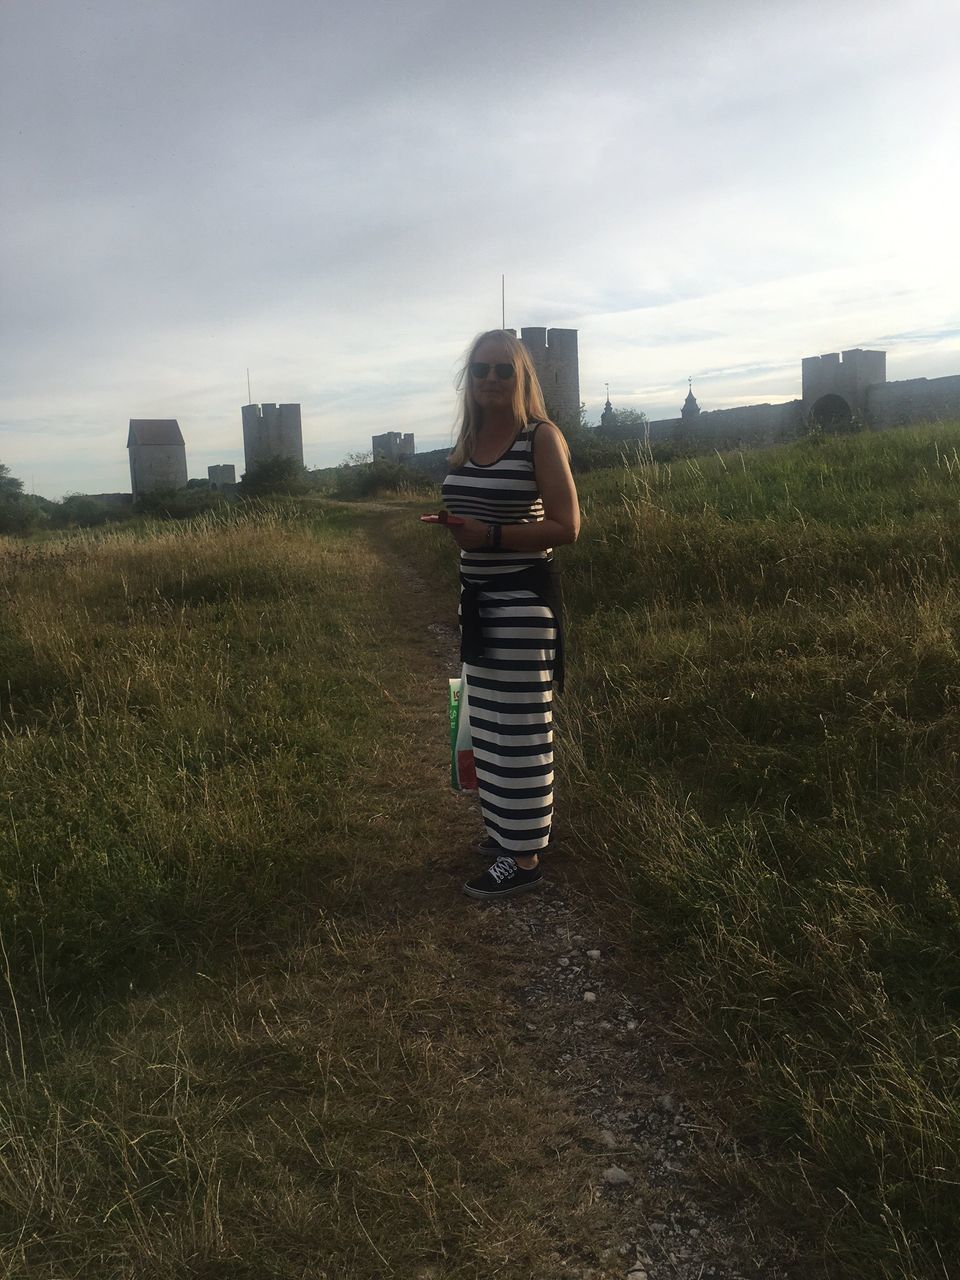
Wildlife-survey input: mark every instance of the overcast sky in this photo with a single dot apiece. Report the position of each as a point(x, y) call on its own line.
point(328, 194)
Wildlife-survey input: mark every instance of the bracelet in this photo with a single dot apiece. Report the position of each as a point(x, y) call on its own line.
point(494, 534)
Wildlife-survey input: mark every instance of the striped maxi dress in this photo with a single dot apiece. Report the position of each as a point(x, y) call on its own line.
point(510, 690)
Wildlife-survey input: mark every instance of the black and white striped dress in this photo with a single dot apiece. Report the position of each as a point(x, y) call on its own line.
point(510, 690)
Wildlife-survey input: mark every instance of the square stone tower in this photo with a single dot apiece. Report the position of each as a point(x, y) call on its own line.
point(393, 446)
point(271, 431)
point(556, 358)
point(836, 384)
point(222, 477)
point(158, 455)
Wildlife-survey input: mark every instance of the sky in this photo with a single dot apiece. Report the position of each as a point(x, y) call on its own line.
point(327, 194)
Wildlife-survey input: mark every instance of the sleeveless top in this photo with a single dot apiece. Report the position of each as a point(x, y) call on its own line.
point(503, 492)
point(500, 492)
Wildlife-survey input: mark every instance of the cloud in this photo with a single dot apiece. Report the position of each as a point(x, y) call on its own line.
point(329, 195)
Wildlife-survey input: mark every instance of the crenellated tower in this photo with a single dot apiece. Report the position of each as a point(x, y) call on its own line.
point(271, 431)
point(556, 358)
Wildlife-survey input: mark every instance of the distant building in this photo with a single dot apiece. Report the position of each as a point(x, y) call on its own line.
point(393, 446)
point(271, 431)
point(158, 455)
point(556, 358)
point(837, 390)
point(222, 478)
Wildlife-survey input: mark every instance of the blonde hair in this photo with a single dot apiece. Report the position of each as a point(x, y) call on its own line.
point(528, 403)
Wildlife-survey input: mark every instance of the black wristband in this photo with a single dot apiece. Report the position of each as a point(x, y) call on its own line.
point(497, 535)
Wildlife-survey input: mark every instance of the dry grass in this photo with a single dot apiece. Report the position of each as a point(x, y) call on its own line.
point(761, 736)
point(224, 762)
point(336, 1107)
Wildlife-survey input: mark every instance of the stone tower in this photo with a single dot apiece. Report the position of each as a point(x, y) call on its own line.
point(556, 358)
point(222, 478)
point(271, 431)
point(394, 447)
point(158, 455)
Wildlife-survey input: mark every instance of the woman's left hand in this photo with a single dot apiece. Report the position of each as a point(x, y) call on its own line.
point(469, 536)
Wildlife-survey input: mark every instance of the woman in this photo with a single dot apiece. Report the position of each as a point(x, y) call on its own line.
point(510, 481)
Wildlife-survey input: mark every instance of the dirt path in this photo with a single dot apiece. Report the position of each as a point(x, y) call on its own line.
point(577, 1006)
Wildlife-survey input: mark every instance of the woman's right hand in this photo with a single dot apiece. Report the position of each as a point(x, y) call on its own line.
point(469, 536)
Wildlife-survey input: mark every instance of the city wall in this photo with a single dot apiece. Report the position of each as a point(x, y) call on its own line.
point(721, 428)
point(896, 404)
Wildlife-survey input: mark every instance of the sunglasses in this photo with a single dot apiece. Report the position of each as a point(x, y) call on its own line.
point(480, 369)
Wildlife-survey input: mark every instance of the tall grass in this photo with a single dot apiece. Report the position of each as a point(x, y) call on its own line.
point(196, 766)
point(764, 731)
point(761, 730)
point(171, 758)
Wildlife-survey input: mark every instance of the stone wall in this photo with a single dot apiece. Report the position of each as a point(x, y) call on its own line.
point(749, 425)
point(896, 404)
point(157, 466)
point(116, 501)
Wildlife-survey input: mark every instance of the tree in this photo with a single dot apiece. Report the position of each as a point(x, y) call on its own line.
point(82, 510)
point(589, 450)
point(10, 486)
point(19, 512)
point(630, 420)
point(274, 476)
point(358, 459)
point(366, 479)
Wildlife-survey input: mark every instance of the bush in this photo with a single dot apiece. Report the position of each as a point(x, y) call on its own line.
point(79, 510)
point(371, 478)
point(19, 512)
point(590, 451)
point(176, 504)
point(275, 475)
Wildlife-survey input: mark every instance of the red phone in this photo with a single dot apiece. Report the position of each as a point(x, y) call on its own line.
point(443, 518)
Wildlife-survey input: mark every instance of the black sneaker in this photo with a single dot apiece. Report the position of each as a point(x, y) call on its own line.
point(504, 878)
point(488, 847)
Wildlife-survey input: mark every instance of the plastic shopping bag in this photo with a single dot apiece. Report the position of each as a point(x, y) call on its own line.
point(463, 769)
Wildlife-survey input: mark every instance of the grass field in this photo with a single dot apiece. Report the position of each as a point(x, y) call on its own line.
point(760, 738)
point(762, 729)
point(243, 1031)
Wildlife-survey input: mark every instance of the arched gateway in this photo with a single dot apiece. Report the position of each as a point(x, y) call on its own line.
point(832, 413)
point(835, 386)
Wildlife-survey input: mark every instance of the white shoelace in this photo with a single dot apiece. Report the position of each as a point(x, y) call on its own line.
point(502, 869)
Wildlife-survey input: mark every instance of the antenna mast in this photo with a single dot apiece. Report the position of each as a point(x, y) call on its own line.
point(503, 301)
point(249, 396)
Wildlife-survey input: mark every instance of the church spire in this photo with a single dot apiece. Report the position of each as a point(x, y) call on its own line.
point(607, 417)
point(690, 407)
